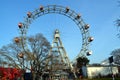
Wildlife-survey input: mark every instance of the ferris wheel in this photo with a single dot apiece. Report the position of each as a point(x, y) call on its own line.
point(66, 11)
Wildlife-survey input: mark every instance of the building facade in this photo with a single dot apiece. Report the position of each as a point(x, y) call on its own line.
point(100, 70)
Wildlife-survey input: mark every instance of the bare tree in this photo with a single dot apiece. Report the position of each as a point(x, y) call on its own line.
point(117, 23)
point(33, 58)
point(118, 26)
point(9, 55)
point(39, 46)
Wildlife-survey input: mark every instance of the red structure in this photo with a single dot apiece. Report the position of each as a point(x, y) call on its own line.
point(9, 73)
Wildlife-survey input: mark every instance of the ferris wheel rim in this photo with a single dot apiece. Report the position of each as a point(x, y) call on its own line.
point(66, 11)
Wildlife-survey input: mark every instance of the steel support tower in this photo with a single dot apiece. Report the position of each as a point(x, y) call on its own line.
point(59, 61)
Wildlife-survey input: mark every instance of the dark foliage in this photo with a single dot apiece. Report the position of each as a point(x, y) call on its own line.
point(82, 61)
point(116, 56)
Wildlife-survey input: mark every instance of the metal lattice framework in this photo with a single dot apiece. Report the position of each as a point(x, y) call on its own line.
point(84, 28)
